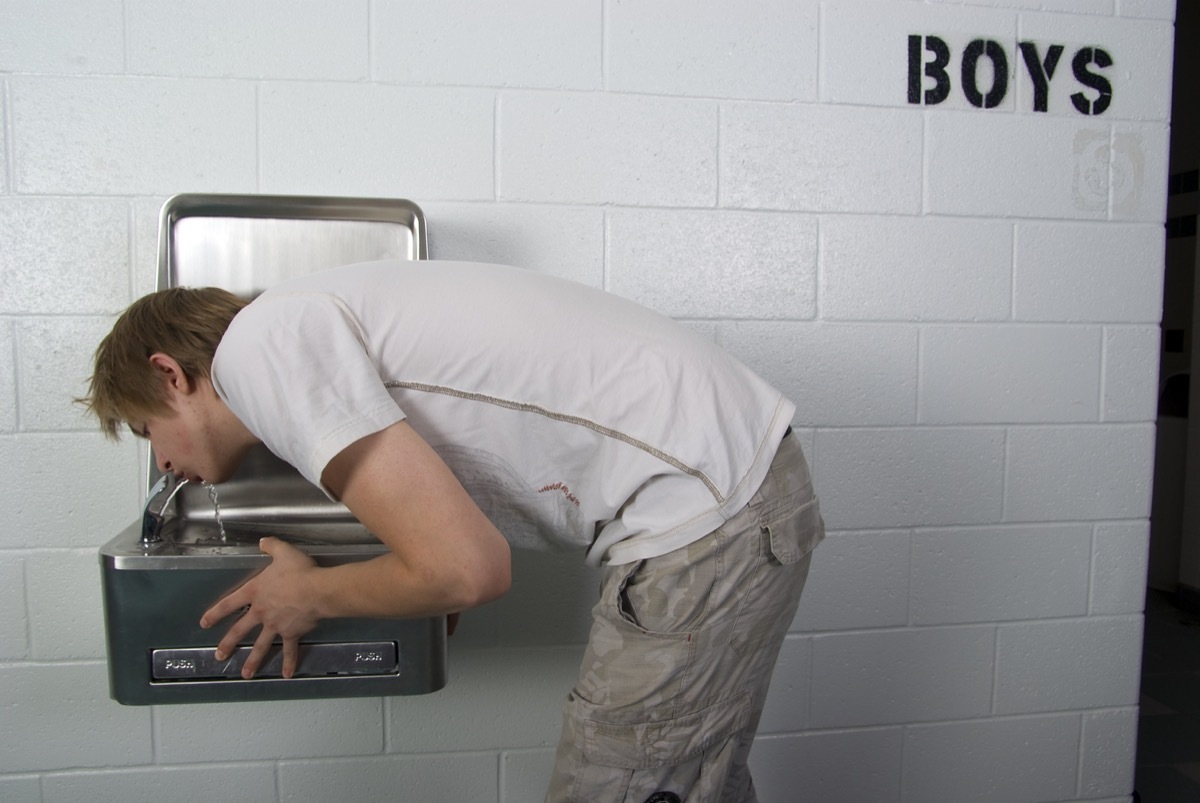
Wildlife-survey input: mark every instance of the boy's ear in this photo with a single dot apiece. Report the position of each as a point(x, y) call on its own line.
point(168, 370)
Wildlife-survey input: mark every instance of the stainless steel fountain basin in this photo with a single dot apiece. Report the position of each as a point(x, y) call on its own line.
point(155, 594)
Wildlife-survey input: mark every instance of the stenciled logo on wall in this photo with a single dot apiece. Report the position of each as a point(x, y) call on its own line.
point(1109, 164)
point(930, 56)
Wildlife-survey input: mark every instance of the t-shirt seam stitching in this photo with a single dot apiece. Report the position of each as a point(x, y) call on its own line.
point(565, 418)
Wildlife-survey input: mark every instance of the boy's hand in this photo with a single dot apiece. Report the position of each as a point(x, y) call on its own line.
point(278, 599)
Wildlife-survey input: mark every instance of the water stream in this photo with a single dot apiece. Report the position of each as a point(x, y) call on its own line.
point(212, 494)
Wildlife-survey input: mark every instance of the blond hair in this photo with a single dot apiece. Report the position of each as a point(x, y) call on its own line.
point(185, 323)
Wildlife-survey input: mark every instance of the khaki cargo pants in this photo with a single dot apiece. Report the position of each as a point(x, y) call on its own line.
point(681, 652)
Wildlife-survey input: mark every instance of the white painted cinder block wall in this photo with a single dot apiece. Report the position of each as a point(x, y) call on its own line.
point(964, 302)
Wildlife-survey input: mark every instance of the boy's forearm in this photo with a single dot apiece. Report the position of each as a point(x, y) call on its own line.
point(385, 587)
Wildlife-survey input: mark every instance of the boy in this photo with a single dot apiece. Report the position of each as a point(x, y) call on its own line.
point(458, 408)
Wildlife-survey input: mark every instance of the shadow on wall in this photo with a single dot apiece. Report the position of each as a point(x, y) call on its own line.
point(550, 604)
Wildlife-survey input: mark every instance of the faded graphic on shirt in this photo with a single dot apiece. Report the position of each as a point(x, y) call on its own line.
point(529, 517)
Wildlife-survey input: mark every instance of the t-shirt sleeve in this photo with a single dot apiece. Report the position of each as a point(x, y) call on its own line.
point(296, 369)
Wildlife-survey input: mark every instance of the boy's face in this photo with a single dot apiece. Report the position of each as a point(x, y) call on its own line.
point(196, 437)
point(173, 437)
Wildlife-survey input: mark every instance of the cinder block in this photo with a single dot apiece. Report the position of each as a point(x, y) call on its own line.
point(831, 765)
point(865, 58)
point(787, 705)
point(1131, 367)
point(65, 626)
point(992, 761)
point(518, 44)
point(556, 240)
point(55, 357)
point(248, 40)
point(875, 565)
point(495, 699)
point(120, 136)
point(606, 149)
point(61, 36)
point(459, 776)
point(341, 139)
point(896, 676)
point(1153, 9)
point(59, 716)
point(1009, 374)
point(63, 256)
point(1109, 752)
point(1070, 664)
point(252, 782)
point(14, 625)
point(525, 774)
point(1084, 473)
point(700, 48)
point(992, 165)
point(1119, 563)
point(1140, 51)
point(1000, 573)
point(808, 363)
point(21, 789)
point(922, 269)
point(36, 473)
point(810, 158)
point(1088, 272)
point(8, 379)
point(250, 732)
point(714, 264)
point(890, 478)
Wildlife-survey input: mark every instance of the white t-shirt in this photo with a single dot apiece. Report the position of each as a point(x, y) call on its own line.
point(572, 417)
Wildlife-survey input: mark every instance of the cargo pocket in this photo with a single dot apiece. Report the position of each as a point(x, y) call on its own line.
point(663, 743)
point(796, 533)
point(786, 540)
point(682, 755)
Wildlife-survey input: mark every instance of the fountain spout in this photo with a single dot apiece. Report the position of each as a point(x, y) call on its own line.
point(152, 522)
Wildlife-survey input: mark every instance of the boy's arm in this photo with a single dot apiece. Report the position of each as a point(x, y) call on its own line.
point(444, 554)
